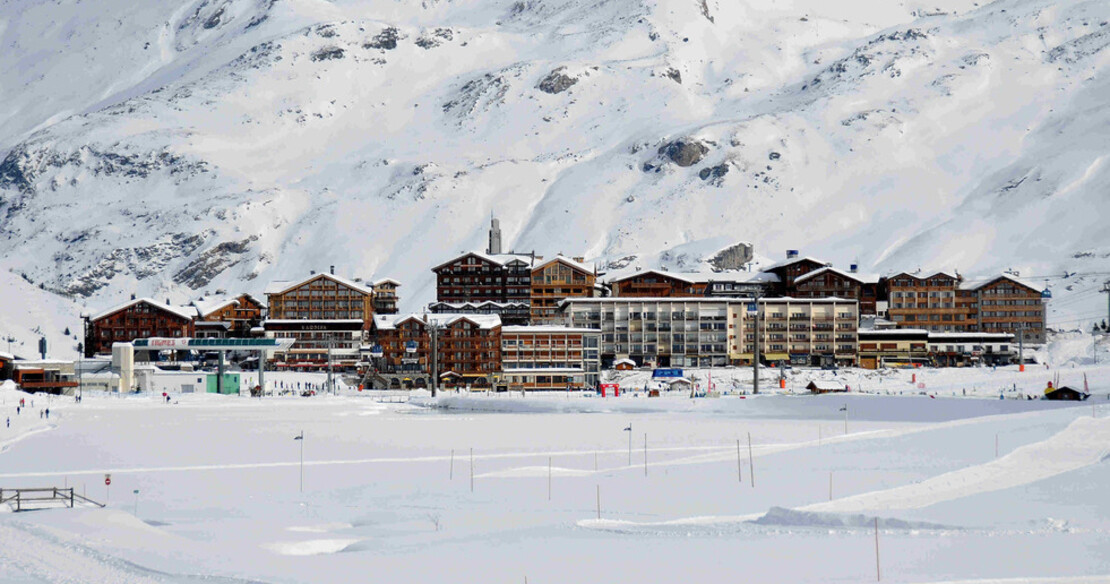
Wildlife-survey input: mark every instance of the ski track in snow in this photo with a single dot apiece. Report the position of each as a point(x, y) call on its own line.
point(36, 552)
point(1084, 442)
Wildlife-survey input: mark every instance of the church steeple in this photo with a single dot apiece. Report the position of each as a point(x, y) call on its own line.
point(494, 237)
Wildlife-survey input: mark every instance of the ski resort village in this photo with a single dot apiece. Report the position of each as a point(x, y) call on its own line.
point(550, 291)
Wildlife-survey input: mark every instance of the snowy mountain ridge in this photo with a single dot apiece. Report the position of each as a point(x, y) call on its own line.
point(184, 147)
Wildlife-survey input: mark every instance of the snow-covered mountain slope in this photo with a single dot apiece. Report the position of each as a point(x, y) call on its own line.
point(184, 147)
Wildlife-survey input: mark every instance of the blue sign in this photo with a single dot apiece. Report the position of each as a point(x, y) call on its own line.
point(376, 351)
point(666, 373)
point(752, 307)
point(410, 347)
point(1046, 293)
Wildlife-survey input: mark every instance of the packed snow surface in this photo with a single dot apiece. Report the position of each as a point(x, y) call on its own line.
point(473, 488)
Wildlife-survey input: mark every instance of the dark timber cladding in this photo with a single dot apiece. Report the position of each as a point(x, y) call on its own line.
point(479, 277)
point(657, 284)
point(143, 317)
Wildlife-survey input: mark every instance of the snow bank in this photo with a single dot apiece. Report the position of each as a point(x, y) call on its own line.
point(1084, 442)
point(792, 517)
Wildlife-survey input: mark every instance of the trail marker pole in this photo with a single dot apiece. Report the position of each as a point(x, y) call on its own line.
point(599, 501)
point(595, 461)
point(451, 472)
point(645, 454)
point(471, 470)
point(830, 485)
point(136, 502)
point(751, 463)
point(739, 466)
point(548, 478)
point(878, 572)
point(300, 438)
point(996, 445)
point(107, 487)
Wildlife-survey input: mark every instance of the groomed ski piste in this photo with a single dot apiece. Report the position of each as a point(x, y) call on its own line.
point(554, 488)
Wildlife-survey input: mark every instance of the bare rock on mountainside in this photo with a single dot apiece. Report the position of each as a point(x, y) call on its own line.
point(385, 40)
point(684, 151)
point(733, 257)
point(212, 262)
point(714, 173)
point(327, 54)
point(556, 82)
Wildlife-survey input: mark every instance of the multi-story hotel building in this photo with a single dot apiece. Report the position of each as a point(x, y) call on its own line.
point(557, 279)
point(829, 282)
point(537, 358)
point(328, 316)
point(811, 331)
point(658, 284)
point(239, 314)
point(1007, 304)
point(469, 346)
point(477, 277)
point(930, 302)
point(137, 319)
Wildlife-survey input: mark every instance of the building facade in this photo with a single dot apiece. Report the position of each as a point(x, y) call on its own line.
point(792, 268)
point(241, 314)
point(930, 303)
point(385, 296)
point(328, 317)
point(540, 358)
point(799, 331)
point(469, 346)
point(665, 332)
point(140, 318)
point(971, 349)
point(555, 280)
point(476, 277)
point(901, 347)
point(829, 282)
point(1007, 304)
point(657, 284)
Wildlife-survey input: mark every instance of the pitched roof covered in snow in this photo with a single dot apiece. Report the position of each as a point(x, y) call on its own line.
point(824, 385)
point(568, 261)
point(500, 259)
point(443, 319)
point(185, 312)
point(980, 283)
point(792, 261)
point(281, 286)
point(207, 307)
point(858, 277)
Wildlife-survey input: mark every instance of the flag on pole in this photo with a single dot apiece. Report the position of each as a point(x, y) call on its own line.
point(844, 408)
point(299, 436)
point(629, 428)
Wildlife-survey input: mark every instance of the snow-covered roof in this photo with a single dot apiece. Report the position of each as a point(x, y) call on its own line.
point(387, 281)
point(791, 261)
point(675, 275)
point(624, 362)
point(893, 332)
point(936, 336)
point(483, 304)
point(213, 323)
point(979, 283)
point(859, 277)
point(206, 307)
point(547, 329)
point(6, 356)
point(568, 261)
point(390, 321)
point(826, 300)
point(279, 286)
point(869, 323)
point(186, 312)
point(500, 259)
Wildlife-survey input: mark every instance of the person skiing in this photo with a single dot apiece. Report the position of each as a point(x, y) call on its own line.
point(47, 413)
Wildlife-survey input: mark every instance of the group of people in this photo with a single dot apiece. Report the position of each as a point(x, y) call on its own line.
point(44, 413)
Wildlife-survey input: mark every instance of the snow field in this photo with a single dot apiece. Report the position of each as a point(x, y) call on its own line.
point(218, 481)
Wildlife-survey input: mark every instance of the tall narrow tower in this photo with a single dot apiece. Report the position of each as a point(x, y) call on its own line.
point(494, 237)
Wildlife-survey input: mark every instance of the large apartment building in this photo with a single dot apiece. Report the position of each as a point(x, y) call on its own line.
point(829, 282)
point(555, 280)
point(327, 315)
point(548, 357)
point(667, 332)
point(237, 315)
point(800, 331)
